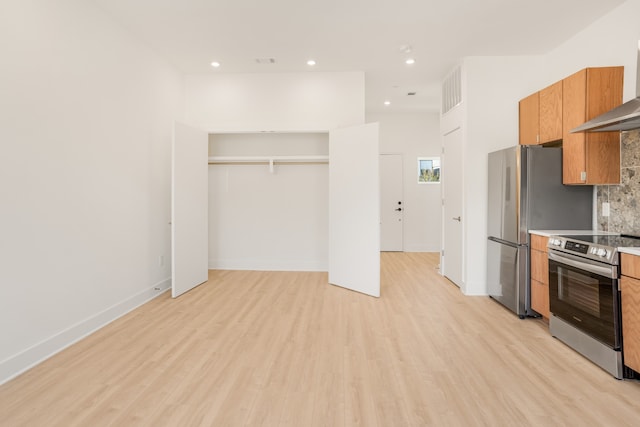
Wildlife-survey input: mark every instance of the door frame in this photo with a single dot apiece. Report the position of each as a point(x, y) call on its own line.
point(402, 194)
point(443, 255)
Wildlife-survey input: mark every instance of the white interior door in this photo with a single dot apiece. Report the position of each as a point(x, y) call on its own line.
point(189, 209)
point(452, 170)
point(391, 206)
point(354, 209)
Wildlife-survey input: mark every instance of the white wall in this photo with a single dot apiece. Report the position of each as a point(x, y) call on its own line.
point(86, 116)
point(260, 220)
point(274, 102)
point(494, 86)
point(612, 40)
point(415, 135)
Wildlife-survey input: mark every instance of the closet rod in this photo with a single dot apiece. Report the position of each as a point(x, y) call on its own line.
point(267, 159)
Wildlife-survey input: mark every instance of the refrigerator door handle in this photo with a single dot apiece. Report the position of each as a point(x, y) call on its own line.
point(504, 242)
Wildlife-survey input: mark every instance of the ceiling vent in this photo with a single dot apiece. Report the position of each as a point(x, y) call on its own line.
point(265, 60)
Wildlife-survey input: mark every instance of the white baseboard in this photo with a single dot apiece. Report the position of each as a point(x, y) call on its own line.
point(418, 248)
point(26, 359)
point(267, 265)
point(475, 289)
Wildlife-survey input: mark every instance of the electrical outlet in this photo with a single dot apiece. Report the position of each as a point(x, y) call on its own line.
point(605, 209)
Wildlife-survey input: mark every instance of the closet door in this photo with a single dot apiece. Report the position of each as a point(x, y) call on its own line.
point(189, 209)
point(354, 209)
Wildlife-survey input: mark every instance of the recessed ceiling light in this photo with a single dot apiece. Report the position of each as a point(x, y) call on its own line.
point(387, 102)
point(410, 61)
point(311, 62)
point(215, 64)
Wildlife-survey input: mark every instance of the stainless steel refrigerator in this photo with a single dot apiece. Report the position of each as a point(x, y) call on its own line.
point(526, 193)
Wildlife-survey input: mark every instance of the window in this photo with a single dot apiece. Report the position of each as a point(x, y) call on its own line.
point(428, 170)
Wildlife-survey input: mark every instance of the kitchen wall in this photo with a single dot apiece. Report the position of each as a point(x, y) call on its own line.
point(623, 199)
point(415, 135)
point(87, 115)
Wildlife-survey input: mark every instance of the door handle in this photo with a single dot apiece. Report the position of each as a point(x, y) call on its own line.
point(399, 209)
point(456, 218)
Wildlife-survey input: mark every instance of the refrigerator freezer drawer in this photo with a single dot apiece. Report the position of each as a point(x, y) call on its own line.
point(507, 275)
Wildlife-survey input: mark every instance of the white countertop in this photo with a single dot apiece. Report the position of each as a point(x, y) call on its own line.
point(548, 233)
point(632, 251)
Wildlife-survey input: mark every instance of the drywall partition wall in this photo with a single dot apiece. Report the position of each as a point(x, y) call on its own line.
point(87, 115)
point(488, 117)
point(263, 220)
point(291, 102)
point(492, 124)
point(415, 135)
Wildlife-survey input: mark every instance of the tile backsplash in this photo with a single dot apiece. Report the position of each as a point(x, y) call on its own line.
point(624, 199)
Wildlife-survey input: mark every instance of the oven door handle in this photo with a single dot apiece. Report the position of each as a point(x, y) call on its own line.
point(607, 271)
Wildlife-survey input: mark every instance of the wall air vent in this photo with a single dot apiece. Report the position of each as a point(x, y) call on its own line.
point(452, 90)
point(265, 60)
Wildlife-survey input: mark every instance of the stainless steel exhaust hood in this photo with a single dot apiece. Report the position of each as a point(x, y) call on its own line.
point(623, 117)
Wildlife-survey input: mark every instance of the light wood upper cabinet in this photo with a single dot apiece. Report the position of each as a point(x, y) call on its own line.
point(590, 157)
point(540, 116)
point(551, 113)
point(528, 115)
point(630, 299)
point(539, 275)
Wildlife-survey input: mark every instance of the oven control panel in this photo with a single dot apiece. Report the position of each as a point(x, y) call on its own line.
point(589, 250)
point(577, 247)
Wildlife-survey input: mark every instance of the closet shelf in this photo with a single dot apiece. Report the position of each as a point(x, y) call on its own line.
point(269, 159)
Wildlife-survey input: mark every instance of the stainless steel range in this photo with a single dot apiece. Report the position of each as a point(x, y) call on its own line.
point(584, 296)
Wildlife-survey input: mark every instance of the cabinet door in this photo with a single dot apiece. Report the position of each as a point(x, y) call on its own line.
point(539, 275)
point(590, 157)
point(630, 295)
point(574, 94)
point(604, 92)
point(540, 297)
point(528, 117)
point(551, 113)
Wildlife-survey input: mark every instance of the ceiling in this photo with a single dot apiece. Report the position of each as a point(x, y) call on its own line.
point(353, 35)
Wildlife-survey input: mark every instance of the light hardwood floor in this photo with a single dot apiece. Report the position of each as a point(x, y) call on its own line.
point(286, 349)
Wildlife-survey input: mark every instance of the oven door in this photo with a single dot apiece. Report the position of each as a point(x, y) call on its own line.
point(585, 294)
